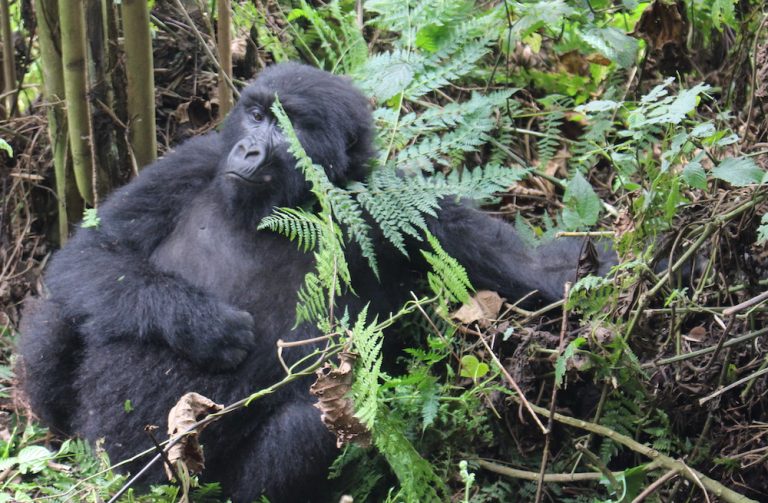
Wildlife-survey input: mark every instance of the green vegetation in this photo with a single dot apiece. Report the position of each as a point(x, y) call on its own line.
point(582, 118)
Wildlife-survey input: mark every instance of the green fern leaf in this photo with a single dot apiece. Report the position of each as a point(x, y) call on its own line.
point(296, 224)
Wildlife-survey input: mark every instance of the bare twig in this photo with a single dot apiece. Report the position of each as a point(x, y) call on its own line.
point(520, 395)
point(746, 304)
point(553, 400)
point(671, 474)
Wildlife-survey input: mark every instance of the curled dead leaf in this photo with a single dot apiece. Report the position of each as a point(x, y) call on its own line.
point(662, 23)
point(337, 410)
point(664, 27)
point(483, 308)
point(190, 409)
point(197, 112)
point(697, 334)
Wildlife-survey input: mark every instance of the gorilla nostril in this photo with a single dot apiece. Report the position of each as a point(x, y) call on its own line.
point(253, 153)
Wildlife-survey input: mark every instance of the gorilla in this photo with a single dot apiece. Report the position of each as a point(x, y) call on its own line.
point(177, 290)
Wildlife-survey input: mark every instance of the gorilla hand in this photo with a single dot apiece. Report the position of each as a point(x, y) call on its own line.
point(219, 340)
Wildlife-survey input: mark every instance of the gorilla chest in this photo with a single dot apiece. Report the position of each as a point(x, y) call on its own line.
point(255, 271)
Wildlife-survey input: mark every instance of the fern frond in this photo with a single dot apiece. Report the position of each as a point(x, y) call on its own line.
point(398, 203)
point(313, 173)
point(295, 224)
point(366, 340)
point(468, 137)
point(549, 125)
point(397, 68)
point(480, 183)
point(409, 16)
point(449, 116)
point(448, 276)
point(397, 206)
point(418, 481)
point(340, 39)
point(312, 302)
point(453, 67)
point(332, 272)
point(349, 214)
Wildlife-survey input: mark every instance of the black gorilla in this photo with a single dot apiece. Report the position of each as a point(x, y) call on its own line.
point(176, 290)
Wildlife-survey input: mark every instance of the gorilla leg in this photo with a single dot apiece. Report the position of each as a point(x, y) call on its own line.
point(286, 459)
point(46, 375)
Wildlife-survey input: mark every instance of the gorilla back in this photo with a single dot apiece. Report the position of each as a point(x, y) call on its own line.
point(176, 290)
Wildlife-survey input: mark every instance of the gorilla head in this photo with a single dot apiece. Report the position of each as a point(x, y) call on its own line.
point(331, 118)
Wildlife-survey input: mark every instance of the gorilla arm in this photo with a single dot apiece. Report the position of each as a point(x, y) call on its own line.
point(104, 276)
point(497, 259)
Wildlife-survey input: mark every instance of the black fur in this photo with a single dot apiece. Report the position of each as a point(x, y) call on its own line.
point(177, 291)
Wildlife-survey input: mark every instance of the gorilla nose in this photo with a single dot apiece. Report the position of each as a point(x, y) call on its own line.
point(251, 152)
point(246, 157)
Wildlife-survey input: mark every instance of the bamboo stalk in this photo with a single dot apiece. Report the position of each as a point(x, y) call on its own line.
point(75, 85)
point(9, 64)
point(70, 203)
point(224, 27)
point(141, 80)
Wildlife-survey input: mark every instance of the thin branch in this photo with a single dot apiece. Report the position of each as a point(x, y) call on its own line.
point(520, 395)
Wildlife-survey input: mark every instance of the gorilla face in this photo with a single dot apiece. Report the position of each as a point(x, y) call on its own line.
point(331, 119)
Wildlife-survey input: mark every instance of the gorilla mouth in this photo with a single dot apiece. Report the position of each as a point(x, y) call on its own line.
point(253, 181)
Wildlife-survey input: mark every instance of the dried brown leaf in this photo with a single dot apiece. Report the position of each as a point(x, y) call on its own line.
point(190, 409)
point(664, 27)
point(662, 23)
point(483, 308)
point(337, 410)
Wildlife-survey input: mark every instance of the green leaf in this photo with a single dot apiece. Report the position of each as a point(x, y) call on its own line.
point(430, 37)
point(674, 198)
point(395, 74)
point(722, 11)
point(704, 130)
point(739, 171)
point(728, 140)
point(614, 44)
point(685, 103)
point(582, 206)
point(561, 365)
point(430, 393)
point(90, 218)
point(4, 145)
point(472, 367)
point(550, 14)
point(598, 106)
point(694, 175)
point(34, 459)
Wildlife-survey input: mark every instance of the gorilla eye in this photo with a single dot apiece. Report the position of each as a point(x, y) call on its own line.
point(257, 115)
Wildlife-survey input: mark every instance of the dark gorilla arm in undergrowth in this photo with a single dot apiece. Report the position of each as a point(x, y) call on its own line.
point(177, 290)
